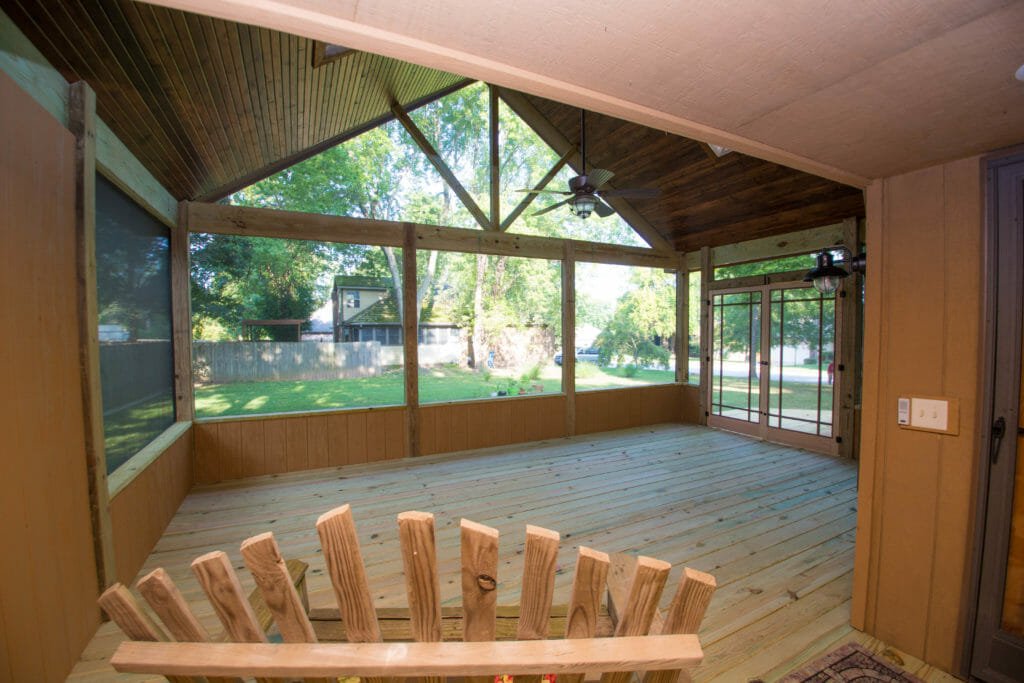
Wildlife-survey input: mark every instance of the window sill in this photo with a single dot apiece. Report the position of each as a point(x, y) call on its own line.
point(138, 463)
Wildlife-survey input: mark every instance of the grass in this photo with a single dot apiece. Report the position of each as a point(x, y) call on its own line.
point(127, 431)
point(436, 385)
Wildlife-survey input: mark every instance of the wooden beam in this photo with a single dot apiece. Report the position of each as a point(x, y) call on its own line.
point(682, 321)
point(558, 142)
point(528, 199)
point(248, 179)
point(257, 222)
point(438, 163)
point(778, 246)
point(515, 657)
point(569, 336)
point(181, 318)
point(707, 274)
point(82, 123)
point(410, 341)
point(495, 157)
point(850, 315)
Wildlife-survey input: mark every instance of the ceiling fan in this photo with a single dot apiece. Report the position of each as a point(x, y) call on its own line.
point(585, 195)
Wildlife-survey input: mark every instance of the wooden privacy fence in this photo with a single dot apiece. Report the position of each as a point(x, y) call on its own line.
point(220, 362)
point(645, 640)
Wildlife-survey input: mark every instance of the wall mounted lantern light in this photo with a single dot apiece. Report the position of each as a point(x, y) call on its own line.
point(827, 275)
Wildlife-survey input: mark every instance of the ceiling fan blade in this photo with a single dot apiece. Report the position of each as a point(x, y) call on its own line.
point(598, 177)
point(552, 207)
point(634, 193)
point(602, 209)
point(545, 192)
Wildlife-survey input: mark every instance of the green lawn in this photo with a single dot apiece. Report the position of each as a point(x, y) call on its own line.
point(127, 431)
point(436, 385)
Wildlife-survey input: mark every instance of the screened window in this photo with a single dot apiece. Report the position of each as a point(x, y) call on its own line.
point(343, 358)
point(625, 326)
point(694, 333)
point(490, 326)
point(133, 284)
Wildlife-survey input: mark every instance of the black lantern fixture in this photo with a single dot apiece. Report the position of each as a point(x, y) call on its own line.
point(827, 275)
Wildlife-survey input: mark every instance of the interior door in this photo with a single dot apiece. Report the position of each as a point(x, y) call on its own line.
point(998, 647)
point(773, 364)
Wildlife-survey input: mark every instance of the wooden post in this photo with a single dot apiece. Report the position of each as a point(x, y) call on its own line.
point(410, 339)
point(682, 322)
point(181, 319)
point(82, 123)
point(569, 336)
point(492, 94)
point(439, 164)
point(848, 357)
point(707, 274)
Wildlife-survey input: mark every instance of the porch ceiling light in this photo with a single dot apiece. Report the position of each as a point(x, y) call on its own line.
point(827, 276)
point(583, 204)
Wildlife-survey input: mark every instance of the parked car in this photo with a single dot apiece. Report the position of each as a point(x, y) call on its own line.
point(583, 355)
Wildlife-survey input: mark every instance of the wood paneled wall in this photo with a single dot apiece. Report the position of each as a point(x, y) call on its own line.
point(141, 510)
point(250, 447)
point(247, 447)
point(922, 337)
point(449, 427)
point(48, 608)
point(602, 411)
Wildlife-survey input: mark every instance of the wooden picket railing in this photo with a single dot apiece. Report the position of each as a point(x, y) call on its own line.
point(658, 646)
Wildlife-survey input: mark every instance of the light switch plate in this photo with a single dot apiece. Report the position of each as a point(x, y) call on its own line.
point(929, 413)
point(937, 414)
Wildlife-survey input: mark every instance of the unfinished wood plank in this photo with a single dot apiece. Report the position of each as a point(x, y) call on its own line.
point(218, 580)
point(685, 614)
point(82, 124)
point(410, 340)
point(166, 600)
point(422, 584)
point(637, 614)
point(263, 558)
point(344, 560)
point(181, 318)
point(540, 558)
point(479, 552)
point(569, 337)
point(588, 583)
point(121, 606)
point(519, 658)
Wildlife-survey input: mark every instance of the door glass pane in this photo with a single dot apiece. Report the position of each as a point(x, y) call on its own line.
point(1013, 595)
point(736, 344)
point(802, 367)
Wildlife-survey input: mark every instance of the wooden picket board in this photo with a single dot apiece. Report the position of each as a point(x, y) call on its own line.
point(685, 613)
point(641, 606)
point(588, 584)
point(540, 557)
point(479, 553)
point(121, 606)
point(422, 583)
point(166, 601)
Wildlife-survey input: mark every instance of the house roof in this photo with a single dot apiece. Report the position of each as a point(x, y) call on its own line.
point(385, 312)
point(362, 282)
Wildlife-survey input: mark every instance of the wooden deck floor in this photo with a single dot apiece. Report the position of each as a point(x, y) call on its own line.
point(774, 525)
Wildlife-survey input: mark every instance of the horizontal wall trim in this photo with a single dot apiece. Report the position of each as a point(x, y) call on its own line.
point(137, 464)
point(260, 222)
point(327, 412)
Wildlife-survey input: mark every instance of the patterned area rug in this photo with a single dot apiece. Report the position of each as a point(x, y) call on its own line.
point(851, 662)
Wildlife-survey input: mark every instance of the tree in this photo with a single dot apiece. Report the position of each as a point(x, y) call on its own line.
point(643, 317)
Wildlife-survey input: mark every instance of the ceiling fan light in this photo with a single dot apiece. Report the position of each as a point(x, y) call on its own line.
point(583, 204)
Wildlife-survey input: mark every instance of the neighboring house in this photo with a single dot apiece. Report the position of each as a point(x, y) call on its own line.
point(365, 309)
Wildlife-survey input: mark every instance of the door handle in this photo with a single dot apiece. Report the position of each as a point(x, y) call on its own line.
point(998, 432)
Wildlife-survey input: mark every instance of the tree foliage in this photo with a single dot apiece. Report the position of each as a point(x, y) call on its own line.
point(643, 323)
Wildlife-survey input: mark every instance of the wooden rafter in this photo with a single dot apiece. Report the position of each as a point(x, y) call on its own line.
point(438, 163)
point(528, 199)
point(558, 142)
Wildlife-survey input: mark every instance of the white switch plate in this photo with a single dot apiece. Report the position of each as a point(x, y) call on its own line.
point(927, 413)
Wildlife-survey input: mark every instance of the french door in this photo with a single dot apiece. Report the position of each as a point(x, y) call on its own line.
point(774, 364)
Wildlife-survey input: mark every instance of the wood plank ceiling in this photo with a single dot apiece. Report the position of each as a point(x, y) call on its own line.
point(209, 106)
point(206, 104)
point(705, 200)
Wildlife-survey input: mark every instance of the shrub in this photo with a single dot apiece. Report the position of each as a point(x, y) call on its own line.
point(631, 370)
